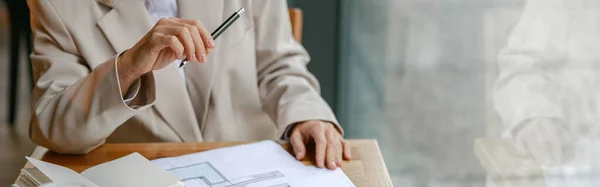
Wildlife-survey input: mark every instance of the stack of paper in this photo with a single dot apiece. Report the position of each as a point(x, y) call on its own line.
point(262, 164)
point(127, 171)
point(32, 177)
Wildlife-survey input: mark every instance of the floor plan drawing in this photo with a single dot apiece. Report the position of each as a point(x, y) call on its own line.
point(206, 175)
point(260, 164)
point(281, 185)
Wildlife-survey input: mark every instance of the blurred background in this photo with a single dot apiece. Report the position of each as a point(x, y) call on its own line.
point(414, 74)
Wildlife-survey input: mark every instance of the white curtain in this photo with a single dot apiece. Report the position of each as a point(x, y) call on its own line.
point(416, 75)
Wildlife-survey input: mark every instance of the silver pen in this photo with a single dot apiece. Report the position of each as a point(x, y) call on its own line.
point(215, 34)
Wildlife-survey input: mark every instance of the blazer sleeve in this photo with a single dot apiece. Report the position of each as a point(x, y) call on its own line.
point(74, 108)
point(529, 66)
point(288, 91)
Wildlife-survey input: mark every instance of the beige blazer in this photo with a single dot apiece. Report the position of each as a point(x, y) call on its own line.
point(254, 85)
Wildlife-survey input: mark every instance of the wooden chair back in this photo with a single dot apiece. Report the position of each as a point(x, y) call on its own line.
point(296, 20)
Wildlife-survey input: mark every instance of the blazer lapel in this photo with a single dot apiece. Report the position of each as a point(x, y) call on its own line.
point(174, 104)
point(124, 26)
point(126, 23)
point(200, 76)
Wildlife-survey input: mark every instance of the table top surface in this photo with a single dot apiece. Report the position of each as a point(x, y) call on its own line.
point(366, 168)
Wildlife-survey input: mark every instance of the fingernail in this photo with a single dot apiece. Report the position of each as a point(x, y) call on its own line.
point(297, 155)
point(211, 42)
point(193, 58)
point(333, 163)
point(204, 57)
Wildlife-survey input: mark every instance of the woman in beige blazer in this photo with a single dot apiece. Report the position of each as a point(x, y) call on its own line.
point(105, 71)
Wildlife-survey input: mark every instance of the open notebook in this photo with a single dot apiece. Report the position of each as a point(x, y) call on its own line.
point(127, 171)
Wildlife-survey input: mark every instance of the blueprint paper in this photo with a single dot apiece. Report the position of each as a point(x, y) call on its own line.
point(262, 164)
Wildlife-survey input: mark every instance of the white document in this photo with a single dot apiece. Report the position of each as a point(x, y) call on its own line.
point(130, 170)
point(262, 164)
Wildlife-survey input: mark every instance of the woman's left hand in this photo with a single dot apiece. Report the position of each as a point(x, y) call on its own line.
point(330, 146)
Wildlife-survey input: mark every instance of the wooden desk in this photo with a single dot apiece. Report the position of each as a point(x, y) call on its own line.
point(366, 168)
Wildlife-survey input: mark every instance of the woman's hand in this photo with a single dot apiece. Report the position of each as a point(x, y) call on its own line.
point(168, 40)
point(329, 143)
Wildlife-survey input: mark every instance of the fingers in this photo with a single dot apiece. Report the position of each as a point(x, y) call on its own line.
point(192, 35)
point(170, 39)
point(298, 144)
point(334, 150)
point(330, 146)
point(199, 50)
point(160, 41)
point(184, 37)
point(347, 150)
point(203, 38)
point(320, 149)
point(328, 149)
point(206, 37)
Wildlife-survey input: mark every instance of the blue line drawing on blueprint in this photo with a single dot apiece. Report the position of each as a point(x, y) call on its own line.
point(281, 185)
point(207, 175)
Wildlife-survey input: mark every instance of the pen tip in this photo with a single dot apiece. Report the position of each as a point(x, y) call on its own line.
point(241, 10)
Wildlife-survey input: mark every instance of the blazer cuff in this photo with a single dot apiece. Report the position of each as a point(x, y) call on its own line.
point(132, 92)
point(296, 114)
point(286, 133)
point(141, 94)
